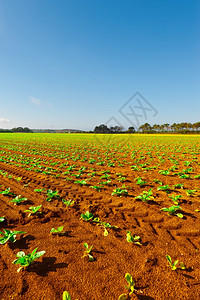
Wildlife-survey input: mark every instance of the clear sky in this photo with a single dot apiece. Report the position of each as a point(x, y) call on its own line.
point(76, 63)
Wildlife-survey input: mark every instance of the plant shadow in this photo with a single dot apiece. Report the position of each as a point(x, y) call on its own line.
point(22, 243)
point(47, 265)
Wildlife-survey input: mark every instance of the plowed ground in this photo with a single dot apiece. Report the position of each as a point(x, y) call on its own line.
point(62, 266)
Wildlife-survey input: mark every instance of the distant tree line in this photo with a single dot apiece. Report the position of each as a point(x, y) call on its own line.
point(17, 129)
point(183, 127)
point(115, 129)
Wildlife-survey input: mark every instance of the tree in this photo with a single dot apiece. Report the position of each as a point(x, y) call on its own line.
point(21, 129)
point(145, 128)
point(131, 130)
point(115, 129)
point(101, 129)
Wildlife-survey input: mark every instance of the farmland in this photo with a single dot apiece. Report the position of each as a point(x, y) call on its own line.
point(134, 198)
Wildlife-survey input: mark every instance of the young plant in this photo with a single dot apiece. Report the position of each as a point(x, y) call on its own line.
point(145, 196)
point(140, 181)
point(104, 225)
point(9, 236)
point(52, 194)
point(197, 176)
point(172, 210)
point(26, 260)
point(66, 296)
point(96, 187)
point(178, 186)
point(175, 198)
point(18, 179)
point(56, 230)
point(18, 200)
point(2, 219)
point(68, 202)
point(121, 179)
point(81, 182)
point(132, 239)
point(164, 172)
point(87, 216)
point(39, 190)
point(165, 188)
point(87, 252)
point(131, 284)
point(119, 192)
point(130, 287)
point(172, 265)
point(7, 192)
point(190, 192)
point(33, 210)
point(158, 181)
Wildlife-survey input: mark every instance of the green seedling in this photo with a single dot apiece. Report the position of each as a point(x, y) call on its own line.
point(68, 202)
point(140, 181)
point(145, 196)
point(105, 176)
point(9, 236)
point(121, 179)
point(104, 225)
point(26, 260)
point(7, 192)
point(175, 198)
point(33, 210)
point(132, 239)
point(178, 186)
point(135, 168)
point(39, 190)
point(56, 230)
point(157, 181)
point(197, 176)
point(172, 210)
point(172, 265)
point(18, 200)
point(131, 284)
point(190, 192)
point(187, 163)
point(87, 252)
point(119, 192)
point(185, 176)
point(66, 296)
point(52, 194)
point(182, 266)
point(87, 216)
point(164, 172)
point(96, 187)
point(105, 182)
point(81, 182)
point(130, 287)
point(2, 219)
point(18, 179)
point(165, 188)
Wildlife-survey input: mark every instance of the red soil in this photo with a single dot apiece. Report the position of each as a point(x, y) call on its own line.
point(62, 266)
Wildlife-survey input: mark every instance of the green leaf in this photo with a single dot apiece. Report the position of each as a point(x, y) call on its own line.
point(66, 296)
point(38, 254)
point(169, 259)
point(58, 230)
point(183, 267)
point(179, 215)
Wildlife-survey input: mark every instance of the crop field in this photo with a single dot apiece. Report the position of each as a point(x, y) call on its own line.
point(100, 216)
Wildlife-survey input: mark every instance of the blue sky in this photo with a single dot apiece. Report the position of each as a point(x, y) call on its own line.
point(74, 64)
